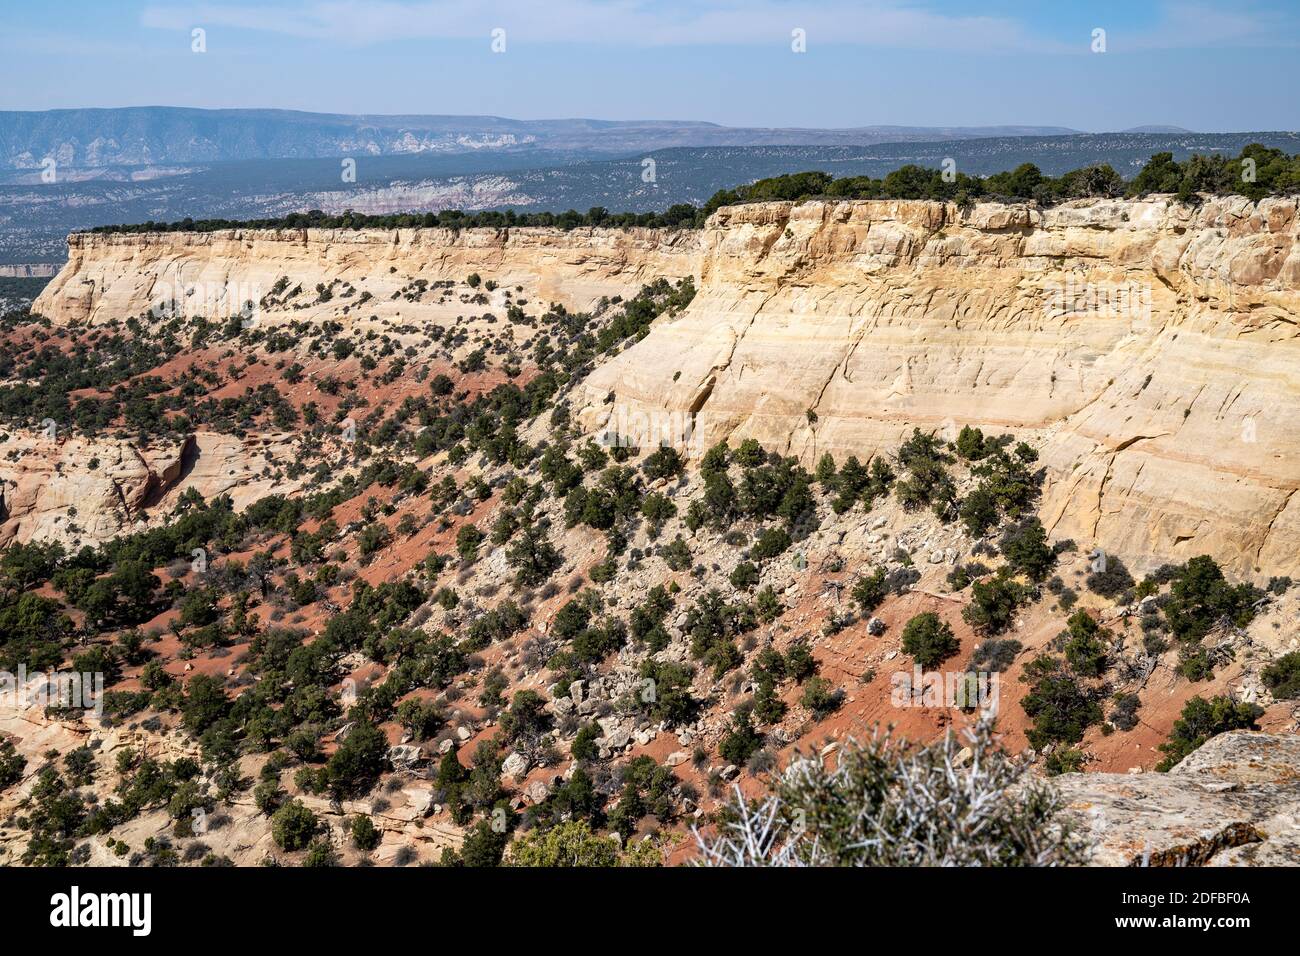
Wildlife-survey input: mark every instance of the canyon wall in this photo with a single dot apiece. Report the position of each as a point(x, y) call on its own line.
point(1149, 350)
point(115, 276)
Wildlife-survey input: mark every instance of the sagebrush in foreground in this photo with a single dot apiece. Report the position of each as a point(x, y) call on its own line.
point(889, 803)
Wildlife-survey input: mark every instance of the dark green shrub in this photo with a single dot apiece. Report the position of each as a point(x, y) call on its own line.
point(770, 543)
point(468, 538)
point(993, 604)
point(1202, 719)
point(1112, 580)
point(665, 462)
point(970, 443)
point(1282, 677)
point(365, 835)
point(1060, 707)
point(1200, 597)
point(744, 577)
point(1124, 713)
point(820, 697)
point(870, 590)
point(929, 640)
point(355, 766)
point(1026, 550)
point(742, 741)
point(1085, 644)
point(293, 826)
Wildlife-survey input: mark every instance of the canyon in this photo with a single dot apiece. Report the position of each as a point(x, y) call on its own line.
point(1149, 349)
point(391, 415)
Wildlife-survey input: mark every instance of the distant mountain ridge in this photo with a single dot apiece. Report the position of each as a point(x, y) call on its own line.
point(149, 135)
point(1156, 128)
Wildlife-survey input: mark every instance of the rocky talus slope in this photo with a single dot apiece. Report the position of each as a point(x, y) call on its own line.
point(237, 831)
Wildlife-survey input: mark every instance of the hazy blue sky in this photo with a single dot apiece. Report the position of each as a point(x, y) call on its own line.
point(1206, 66)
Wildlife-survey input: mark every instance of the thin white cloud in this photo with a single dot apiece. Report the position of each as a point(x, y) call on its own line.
point(869, 23)
point(1194, 25)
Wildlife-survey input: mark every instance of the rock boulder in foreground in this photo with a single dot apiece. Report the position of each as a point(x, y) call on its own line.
point(1233, 802)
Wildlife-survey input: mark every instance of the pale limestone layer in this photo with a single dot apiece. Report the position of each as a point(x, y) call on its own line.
point(1150, 349)
point(216, 273)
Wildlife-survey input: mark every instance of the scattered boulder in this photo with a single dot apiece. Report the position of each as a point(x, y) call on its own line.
point(405, 755)
point(515, 765)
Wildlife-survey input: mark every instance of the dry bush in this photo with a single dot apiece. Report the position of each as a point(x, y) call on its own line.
point(888, 803)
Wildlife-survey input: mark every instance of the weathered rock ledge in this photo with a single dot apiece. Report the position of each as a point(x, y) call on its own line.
point(1233, 802)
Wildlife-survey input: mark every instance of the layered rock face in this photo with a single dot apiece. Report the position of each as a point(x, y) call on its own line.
point(216, 273)
point(1150, 350)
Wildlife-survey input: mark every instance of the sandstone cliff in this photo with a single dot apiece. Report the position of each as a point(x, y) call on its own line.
point(1150, 350)
point(84, 491)
point(214, 273)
